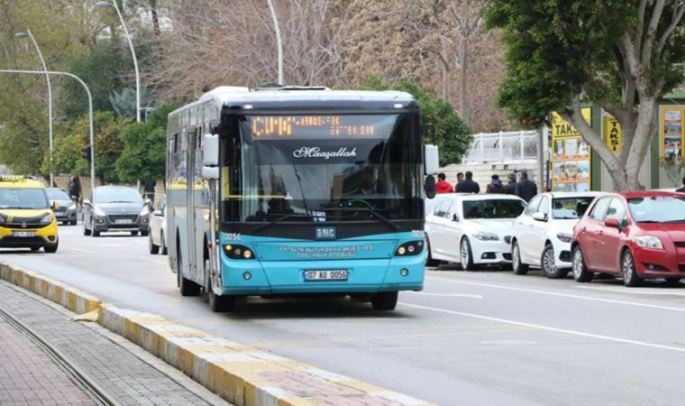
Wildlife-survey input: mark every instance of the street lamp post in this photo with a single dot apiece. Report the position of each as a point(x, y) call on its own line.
point(278, 40)
point(90, 108)
point(107, 4)
point(25, 34)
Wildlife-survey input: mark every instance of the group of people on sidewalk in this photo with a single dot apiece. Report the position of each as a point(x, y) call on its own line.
point(523, 188)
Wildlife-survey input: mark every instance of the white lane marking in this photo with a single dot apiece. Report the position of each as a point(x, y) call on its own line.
point(641, 291)
point(547, 328)
point(508, 342)
point(568, 295)
point(447, 295)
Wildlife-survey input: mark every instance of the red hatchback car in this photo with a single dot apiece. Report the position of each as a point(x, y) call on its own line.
point(637, 235)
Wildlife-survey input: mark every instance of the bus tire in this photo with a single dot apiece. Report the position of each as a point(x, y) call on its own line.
point(384, 301)
point(186, 286)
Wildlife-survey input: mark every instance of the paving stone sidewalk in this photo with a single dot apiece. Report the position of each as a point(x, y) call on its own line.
point(28, 376)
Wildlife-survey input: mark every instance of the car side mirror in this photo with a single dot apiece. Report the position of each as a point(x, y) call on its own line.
point(455, 217)
point(539, 216)
point(430, 187)
point(612, 223)
point(158, 213)
point(86, 202)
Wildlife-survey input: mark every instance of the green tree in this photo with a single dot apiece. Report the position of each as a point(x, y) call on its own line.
point(447, 130)
point(144, 153)
point(108, 147)
point(620, 55)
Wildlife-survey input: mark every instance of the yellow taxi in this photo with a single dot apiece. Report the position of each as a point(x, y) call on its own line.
point(26, 216)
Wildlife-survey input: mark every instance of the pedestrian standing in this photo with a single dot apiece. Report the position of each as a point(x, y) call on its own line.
point(460, 177)
point(495, 186)
point(443, 186)
point(511, 184)
point(468, 185)
point(149, 190)
point(525, 188)
point(75, 190)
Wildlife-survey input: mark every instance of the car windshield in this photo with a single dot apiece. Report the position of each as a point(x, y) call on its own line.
point(23, 198)
point(117, 195)
point(57, 194)
point(570, 208)
point(493, 209)
point(657, 209)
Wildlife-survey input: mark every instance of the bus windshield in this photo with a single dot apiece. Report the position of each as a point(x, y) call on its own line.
point(323, 167)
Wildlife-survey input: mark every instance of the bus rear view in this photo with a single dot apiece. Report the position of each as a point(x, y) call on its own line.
point(313, 192)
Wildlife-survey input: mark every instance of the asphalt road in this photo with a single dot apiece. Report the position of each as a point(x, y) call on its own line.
point(470, 338)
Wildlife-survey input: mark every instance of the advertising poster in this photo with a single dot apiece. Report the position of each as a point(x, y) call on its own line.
point(671, 133)
point(571, 157)
point(611, 132)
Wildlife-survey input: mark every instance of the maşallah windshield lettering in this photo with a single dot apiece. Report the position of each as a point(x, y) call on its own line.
point(315, 152)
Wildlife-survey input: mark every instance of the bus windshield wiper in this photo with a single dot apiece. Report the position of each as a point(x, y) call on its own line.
point(369, 210)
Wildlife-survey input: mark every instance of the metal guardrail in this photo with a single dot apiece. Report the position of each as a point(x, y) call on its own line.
point(503, 147)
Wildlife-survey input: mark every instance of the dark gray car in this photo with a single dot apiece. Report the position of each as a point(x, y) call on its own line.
point(115, 208)
point(64, 207)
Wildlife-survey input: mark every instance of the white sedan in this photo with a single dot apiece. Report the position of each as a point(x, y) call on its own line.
point(542, 234)
point(472, 229)
point(157, 241)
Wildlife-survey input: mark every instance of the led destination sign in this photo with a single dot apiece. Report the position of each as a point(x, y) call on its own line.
point(320, 126)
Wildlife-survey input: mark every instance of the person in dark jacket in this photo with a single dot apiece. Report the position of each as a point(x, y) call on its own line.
point(525, 188)
point(75, 189)
point(149, 190)
point(443, 186)
point(460, 177)
point(468, 185)
point(495, 186)
point(511, 184)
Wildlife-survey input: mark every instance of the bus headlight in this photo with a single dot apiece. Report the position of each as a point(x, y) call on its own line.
point(409, 249)
point(234, 251)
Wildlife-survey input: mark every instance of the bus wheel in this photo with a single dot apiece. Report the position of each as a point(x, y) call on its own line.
point(187, 287)
point(384, 301)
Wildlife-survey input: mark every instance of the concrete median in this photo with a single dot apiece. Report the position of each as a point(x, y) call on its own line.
point(240, 374)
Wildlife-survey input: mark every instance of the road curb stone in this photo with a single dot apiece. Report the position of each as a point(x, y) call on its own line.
point(240, 374)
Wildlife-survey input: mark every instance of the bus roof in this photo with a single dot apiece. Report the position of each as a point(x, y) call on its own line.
point(291, 98)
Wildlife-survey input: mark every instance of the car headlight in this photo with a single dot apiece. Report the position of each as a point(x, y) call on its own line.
point(99, 212)
point(649, 241)
point(46, 219)
point(564, 237)
point(71, 207)
point(486, 236)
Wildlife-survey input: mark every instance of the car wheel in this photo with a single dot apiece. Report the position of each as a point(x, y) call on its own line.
point(154, 249)
point(466, 255)
point(73, 222)
point(134, 233)
point(548, 266)
point(186, 286)
point(517, 266)
point(429, 257)
point(51, 249)
point(630, 276)
point(86, 230)
point(384, 301)
point(673, 280)
point(92, 229)
point(162, 244)
point(580, 271)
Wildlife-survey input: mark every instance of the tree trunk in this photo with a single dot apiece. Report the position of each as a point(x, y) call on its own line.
point(641, 140)
point(463, 54)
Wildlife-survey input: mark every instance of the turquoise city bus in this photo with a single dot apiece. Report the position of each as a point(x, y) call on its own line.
point(295, 191)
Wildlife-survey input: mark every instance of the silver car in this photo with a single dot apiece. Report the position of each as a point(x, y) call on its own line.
point(116, 208)
point(64, 207)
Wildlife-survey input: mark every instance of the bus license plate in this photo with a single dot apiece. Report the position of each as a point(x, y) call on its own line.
point(325, 275)
point(23, 234)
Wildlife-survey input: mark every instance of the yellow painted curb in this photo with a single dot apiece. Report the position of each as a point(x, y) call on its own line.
point(240, 374)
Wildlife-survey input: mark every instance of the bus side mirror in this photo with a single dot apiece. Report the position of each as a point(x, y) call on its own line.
point(431, 160)
point(210, 150)
point(430, 187)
